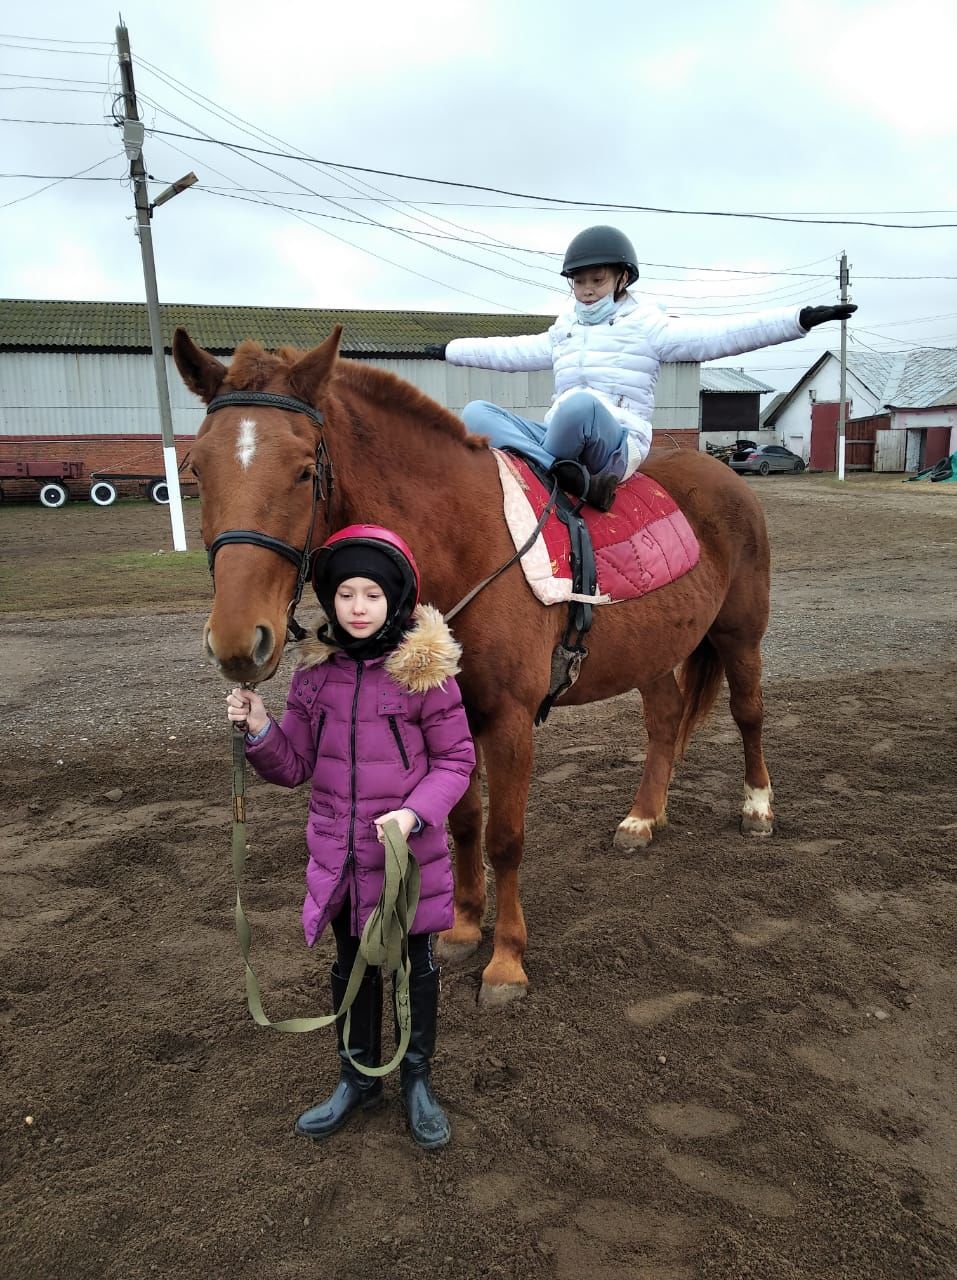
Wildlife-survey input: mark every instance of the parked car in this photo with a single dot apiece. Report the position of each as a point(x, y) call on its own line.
point(765, 458)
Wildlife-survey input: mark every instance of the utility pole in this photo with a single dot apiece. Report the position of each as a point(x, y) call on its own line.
point(842, 412)
point(133, 132)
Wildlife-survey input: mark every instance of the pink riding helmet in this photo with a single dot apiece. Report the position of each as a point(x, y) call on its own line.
point(371, 535)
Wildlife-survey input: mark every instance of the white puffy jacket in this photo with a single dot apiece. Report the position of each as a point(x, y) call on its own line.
point(618, 361)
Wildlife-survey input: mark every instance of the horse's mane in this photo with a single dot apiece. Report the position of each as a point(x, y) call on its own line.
point(252, 368)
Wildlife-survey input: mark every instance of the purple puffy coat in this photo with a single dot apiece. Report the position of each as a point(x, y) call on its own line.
point(373, 736)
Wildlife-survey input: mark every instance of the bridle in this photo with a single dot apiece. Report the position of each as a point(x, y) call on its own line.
point(322, 484)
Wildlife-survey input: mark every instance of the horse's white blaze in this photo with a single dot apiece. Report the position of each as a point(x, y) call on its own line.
point(246, 443)
point(757, 802)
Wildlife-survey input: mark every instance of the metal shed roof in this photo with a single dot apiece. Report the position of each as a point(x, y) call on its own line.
point(719, 379)
point(27, 325)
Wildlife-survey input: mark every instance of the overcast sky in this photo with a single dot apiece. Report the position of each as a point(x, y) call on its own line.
point(828, 109)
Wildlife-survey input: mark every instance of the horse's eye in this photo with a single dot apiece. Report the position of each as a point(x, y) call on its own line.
point(306, 474)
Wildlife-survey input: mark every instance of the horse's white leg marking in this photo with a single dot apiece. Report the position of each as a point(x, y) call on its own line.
point(757, 802)
point(757, 816)
point(246, 443)
point(635, 833)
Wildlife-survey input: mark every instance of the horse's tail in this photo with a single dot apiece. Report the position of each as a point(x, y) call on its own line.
point(699, 680)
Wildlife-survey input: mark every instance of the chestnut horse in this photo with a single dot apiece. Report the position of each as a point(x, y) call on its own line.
point(397, 458)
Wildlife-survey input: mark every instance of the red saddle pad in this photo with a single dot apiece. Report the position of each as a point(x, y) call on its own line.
point(644, 542)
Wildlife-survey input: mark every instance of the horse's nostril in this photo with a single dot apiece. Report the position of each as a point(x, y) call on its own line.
point(263, 646)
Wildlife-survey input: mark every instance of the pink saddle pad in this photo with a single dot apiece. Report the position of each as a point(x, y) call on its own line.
point(644, 542)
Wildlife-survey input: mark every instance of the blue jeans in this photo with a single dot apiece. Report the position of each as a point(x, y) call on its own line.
point(582, 428)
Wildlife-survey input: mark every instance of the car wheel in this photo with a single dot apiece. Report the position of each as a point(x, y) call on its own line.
point(799, 465)
point(764, 468)
point(103, 493)
point(53, 494)
point(159, 492)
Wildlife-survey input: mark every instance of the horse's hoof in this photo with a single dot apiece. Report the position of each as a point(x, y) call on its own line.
point(454, 952)
point(634, 834)
point(496, 997)
point(753, 824)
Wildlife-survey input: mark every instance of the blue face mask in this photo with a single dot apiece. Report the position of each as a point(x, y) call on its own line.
point(596, 312)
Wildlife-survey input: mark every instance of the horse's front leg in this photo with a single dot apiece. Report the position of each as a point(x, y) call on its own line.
point(663, 706)
point(508, 764)
point(465, 822)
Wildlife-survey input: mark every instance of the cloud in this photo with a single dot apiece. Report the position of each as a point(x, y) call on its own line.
point(893, 61)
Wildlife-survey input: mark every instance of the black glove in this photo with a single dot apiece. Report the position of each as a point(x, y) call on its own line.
point(435, 350)
point(810, 316)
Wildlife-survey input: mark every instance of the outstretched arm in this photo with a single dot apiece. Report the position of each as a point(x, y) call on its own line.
point(521, 354)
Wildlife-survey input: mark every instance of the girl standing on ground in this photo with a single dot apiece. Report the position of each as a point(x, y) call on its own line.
point(375, 720)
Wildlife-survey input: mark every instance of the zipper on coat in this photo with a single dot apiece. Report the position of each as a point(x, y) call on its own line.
point(351, 852)
point(319, 731)
point(393, 725)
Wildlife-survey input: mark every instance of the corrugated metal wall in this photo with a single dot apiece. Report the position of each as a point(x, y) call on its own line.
point(56, 393)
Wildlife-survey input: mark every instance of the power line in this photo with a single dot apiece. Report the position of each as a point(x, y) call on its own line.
point(40, 190)
point(5, 35)
point(404, 232)
point(75, 124)
point(28, 75)
point(73, 53)
point(586, 204)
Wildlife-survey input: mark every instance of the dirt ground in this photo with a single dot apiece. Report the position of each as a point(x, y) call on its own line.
point(736, 1059)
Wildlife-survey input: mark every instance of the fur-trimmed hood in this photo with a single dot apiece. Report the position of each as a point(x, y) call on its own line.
point(424, 659)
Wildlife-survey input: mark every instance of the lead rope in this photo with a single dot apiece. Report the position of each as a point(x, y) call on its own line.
point(384, 941)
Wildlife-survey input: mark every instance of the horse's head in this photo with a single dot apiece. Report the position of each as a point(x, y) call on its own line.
point(258, 468)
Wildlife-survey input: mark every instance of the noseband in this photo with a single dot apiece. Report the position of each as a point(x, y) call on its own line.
point(321, 488)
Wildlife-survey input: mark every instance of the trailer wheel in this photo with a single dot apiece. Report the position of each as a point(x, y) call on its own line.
point(158, 492)
point(53, 494)
point(103, 493)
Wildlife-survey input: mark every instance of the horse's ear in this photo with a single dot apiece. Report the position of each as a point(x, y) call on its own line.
point(309, 375)
point(201, 372)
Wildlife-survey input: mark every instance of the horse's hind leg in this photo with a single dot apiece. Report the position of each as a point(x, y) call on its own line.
point(742, 665)
point(663, 707)
point(465, 822)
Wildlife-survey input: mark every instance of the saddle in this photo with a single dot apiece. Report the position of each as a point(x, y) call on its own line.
point(581, 557)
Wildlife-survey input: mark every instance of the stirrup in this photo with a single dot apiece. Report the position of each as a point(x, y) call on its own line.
point(573, 477)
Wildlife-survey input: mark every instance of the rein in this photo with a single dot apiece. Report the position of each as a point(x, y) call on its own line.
point(526, 546)
point(384, 941)
point(322, 483)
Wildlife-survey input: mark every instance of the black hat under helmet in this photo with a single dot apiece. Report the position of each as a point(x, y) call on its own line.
point(599, 247)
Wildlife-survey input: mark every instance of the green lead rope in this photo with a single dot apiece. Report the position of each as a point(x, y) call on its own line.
point(384, 941)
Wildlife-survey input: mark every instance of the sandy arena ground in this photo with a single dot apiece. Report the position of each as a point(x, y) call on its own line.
point(737, 1057)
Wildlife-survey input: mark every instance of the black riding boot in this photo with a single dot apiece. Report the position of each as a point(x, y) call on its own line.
point(601, 490)
point(572, 477)
point(427, 1121)
point(575, 478)
point(354, 1091)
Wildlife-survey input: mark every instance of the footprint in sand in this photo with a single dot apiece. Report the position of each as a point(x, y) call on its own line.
point(714, 1180)
point(561, 773)
point(647, 1013)
point(761, 933)
point(692, 1120)
point(836, 783)
point(818, 846)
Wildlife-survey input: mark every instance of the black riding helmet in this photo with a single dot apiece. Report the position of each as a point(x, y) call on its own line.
point(601, 247)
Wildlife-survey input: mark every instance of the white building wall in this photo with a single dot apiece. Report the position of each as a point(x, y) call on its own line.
point(72, 394)
point(793, 426)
